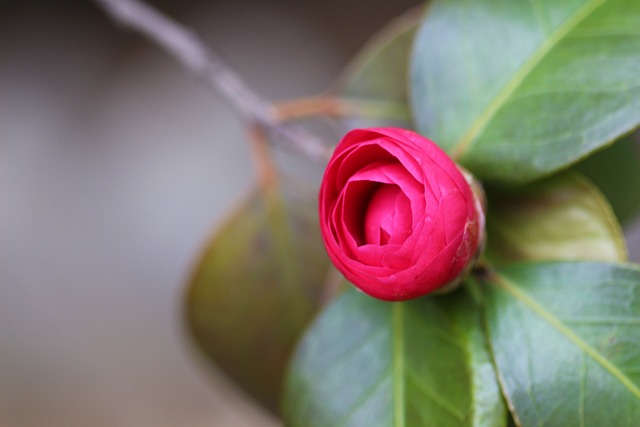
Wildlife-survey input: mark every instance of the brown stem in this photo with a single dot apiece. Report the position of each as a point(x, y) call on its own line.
point(335, 106)
point(266, 169)
point(191, 52)
point(312, 106)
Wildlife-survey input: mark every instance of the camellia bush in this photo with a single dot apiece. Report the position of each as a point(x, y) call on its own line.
point(461, 260)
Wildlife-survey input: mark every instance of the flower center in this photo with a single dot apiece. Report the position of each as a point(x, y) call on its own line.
point(388, 216)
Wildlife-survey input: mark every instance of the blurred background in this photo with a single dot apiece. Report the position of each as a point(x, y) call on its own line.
point(115, 167)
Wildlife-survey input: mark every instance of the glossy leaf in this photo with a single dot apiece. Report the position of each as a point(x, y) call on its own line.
point(561, 218)
point(566, 342)
point(375, 82)
point(515, 90)
point(616, 171)
point(371, 363)
point(256, 288)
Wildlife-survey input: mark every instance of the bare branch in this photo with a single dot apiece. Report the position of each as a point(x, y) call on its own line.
point(187, 48)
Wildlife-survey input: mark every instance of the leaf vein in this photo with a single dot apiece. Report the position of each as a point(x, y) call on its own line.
point(556, 323)
point(434, 332)
point(361, 401)
point(541, 16)
point(354, 349)
point(433, 396)
point(398, 364)
point(511, 85)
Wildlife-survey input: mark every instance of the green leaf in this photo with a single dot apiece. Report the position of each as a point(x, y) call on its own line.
point(566, 342)
point(374, 83)
point(371, 363)
point(256, 288)
point(515, 90)
point(616, 171)
point(561, 218)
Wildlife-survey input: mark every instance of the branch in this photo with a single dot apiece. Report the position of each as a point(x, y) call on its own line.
point(191, 52)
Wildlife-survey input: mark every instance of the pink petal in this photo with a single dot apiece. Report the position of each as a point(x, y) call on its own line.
point(388, 216)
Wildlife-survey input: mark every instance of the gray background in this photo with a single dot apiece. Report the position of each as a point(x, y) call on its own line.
point(115, 166)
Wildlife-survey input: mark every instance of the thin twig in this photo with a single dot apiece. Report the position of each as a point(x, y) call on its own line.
point(301, 108)
point(187, 48)
point(264, 165)
point(335, 106)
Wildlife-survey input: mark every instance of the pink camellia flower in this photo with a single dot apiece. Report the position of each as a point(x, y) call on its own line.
point(398, 217)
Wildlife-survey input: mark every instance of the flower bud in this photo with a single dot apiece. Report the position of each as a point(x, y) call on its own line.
point(398, 217)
